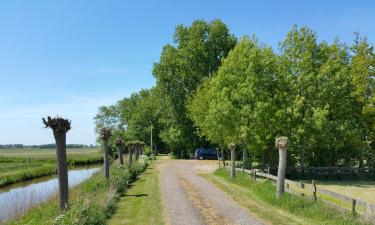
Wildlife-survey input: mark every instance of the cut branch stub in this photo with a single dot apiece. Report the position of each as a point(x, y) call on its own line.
point(231, 146)
point(119, 142)
point(57, 124)
point(282, 142)
point(105, 134)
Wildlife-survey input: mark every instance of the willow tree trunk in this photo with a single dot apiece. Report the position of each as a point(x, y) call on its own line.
point(281, 172)
point(62, 168)
point(120, 154)
point(233, 159)
point(130, 156)
point(106, 159)
point(136, 153)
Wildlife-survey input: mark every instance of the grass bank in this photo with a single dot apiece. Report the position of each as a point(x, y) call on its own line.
point(259, 198)
point(91, 203)
point(23, 164)
point(142, 201)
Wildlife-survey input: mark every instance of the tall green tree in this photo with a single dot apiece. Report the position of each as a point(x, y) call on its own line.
point(196, 54)
point(300, 63)
point(236, 105)
point(363, 79)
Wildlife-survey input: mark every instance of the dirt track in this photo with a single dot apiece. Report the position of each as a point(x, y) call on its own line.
point(189, 199)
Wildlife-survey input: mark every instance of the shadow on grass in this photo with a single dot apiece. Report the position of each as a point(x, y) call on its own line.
point(137, 195)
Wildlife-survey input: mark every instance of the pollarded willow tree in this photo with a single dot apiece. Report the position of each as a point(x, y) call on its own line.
point(105, 134)
point(60, 127)
point(131, 117)
point(134, 147)
point(120, 149)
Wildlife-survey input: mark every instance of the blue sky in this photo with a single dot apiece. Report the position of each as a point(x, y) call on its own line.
point(70, 57)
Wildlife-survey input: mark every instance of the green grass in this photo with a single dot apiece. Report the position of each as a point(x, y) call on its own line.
point(23, 164)
point(141, 203)
point(259, 198)
point(90, 203)
point(363, 190)
point(74, 155)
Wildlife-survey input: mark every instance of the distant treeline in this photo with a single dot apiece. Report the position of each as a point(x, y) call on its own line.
point(45, 146)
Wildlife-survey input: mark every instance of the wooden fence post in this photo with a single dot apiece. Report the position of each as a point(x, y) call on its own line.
point(255, 175)
point(314, 190)
point(302, 185)
point(354, 202)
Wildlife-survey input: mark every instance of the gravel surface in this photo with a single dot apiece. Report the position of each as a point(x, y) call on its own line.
point(189, 199)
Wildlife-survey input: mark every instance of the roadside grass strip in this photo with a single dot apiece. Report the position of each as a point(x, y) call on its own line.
point(141, 203)
point(259, 198)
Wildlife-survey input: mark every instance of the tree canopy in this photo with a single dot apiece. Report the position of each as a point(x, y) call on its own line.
point(212, 89)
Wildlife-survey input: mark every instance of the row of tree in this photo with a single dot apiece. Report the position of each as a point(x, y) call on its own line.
point(213, 89)
point(60, 128)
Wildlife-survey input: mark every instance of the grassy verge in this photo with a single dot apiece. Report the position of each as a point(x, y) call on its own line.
point(142, 202)
point(23, 164)
point(91, 202)
point(259, 198)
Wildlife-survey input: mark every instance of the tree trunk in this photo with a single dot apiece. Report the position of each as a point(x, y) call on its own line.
point(62, 170)
point(136, 153)
point(223, 158)
point(233, 158)
point(281, 172)
point(302, 161)
point(245, 159)
point(218, 157)
point(106, 159)
point(120, 154)
point(130, 156)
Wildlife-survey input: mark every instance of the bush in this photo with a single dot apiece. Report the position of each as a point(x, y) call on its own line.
point(148, 151)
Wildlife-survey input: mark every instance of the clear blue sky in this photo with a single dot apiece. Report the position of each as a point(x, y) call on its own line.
point(70, 57)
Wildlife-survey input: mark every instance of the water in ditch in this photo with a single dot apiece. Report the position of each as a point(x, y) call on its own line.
point(17, 199)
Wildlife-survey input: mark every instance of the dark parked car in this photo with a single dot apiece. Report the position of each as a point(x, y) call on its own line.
point(206, 153)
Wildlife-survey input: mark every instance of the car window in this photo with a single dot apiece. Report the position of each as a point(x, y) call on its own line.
point(204, 150)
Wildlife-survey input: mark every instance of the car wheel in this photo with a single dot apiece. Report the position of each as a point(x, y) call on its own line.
point(201, 158)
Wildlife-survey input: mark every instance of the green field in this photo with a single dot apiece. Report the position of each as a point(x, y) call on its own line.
point(22, 164)
point(363, 190)
point(357, 189)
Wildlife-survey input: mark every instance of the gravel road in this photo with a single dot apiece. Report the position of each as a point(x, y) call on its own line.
point(190, 199)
